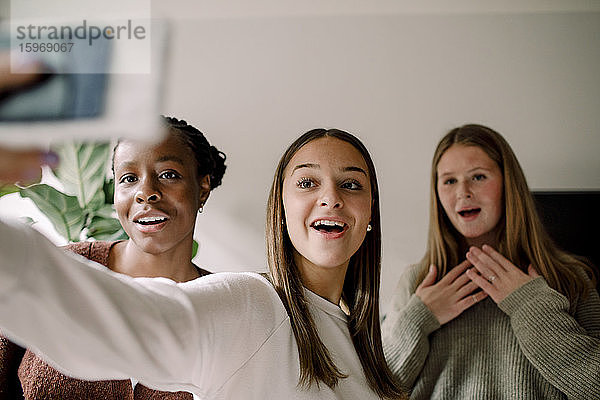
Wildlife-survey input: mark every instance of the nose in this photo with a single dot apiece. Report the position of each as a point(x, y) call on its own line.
point(330, 197)
point(148, 193)
point(464, 190)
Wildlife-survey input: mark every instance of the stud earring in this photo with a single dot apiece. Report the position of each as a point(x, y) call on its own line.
point(369, 228)
point(200, 209)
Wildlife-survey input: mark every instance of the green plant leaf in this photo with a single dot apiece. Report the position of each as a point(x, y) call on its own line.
point(62, 210)
point(82, 169)
point(106, 229)
point(106, 211)
point(97, 201)
point(27, 220)
point(194, 248)
point(8, 189)
point(109, 191)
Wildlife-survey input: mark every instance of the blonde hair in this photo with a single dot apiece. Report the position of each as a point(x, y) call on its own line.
point(360, 292)
point(522, 239)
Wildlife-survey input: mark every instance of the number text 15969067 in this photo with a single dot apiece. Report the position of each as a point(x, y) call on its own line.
point(45, 47)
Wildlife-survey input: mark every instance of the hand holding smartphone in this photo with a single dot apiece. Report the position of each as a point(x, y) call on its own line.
point(64, 102)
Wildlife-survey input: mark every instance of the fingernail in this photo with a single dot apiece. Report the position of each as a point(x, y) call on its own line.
point(50, 158)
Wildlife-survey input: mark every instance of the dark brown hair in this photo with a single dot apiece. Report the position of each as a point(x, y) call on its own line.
point(360, 292)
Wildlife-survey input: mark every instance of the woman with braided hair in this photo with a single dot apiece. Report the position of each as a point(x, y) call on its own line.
point(159, 190)
point(308, 329)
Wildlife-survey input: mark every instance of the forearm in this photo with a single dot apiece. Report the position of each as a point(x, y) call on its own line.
point(405, 339)
point(90, 322)
point(563, 351)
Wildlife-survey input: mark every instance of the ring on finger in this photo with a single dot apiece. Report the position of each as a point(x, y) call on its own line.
point(491, 278)
point(474, 297)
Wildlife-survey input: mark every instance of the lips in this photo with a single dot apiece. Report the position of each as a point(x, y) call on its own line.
point(150, 221)
point(329, 227)
point(470, 212)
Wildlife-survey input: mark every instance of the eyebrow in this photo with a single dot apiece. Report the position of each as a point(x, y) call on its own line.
point(356, 169)
point(317, 166)
point(167, 158)
point(170, 158)
point(469, 171)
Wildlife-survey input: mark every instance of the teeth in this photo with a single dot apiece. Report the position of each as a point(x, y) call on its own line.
point(470, 210)
point(151, 219)
point(329, 223)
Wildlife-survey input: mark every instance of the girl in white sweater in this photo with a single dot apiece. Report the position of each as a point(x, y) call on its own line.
point(282, 335)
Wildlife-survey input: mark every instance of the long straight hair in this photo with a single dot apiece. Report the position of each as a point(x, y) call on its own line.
point(360, 291)
point(522, 239)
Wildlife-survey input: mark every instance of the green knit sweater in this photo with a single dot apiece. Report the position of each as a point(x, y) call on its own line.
point(527, 347)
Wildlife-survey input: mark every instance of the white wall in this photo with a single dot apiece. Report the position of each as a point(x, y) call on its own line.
point(399, 80)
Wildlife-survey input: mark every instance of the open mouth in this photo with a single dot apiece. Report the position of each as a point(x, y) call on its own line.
point(328, 226)
point(150, 220)
point(469, 212)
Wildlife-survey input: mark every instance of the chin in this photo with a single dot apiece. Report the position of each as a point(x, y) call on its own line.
point(329, 262)
point(151, 245)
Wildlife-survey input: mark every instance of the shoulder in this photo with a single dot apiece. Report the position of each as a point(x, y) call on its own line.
point(412, 272)
point(591, 296)
point(97, 251)
point(586, 273)
point(242, 291)
point(81, 248)
point(238, 311)
point(408, 278)
point(407, 284)
point(243, 284)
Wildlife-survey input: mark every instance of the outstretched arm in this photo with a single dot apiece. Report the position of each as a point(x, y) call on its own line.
point(96, 324)
point(88, 321)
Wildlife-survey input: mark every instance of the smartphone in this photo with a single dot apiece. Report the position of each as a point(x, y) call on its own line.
point(57, 95)
point(67, 104)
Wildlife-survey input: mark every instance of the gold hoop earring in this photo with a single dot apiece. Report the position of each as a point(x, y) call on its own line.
point(369, 228)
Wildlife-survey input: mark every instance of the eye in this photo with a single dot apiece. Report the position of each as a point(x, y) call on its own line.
point(305, 183)
point(128, 178)
point(479, 177)
point(169, 175)
point(450, 181)
point(352, 185)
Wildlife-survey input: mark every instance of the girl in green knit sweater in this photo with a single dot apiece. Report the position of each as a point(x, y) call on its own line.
point(494, 310)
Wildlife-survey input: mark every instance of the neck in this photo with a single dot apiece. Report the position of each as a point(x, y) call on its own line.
point(127, 258)
point(325, 282)
point(488, 238)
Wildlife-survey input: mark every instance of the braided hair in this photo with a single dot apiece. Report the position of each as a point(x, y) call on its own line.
point(210, 160)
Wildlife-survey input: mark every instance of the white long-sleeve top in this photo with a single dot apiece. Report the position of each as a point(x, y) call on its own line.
point(223, 336)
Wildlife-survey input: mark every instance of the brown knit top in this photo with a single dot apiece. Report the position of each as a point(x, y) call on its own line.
point(24, 375)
